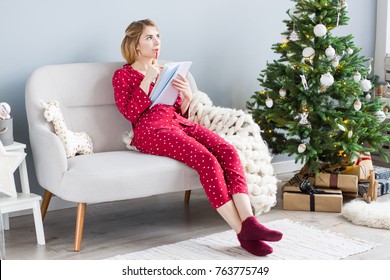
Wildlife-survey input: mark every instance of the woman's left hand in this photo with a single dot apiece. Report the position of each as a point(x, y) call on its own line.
point(181, 84)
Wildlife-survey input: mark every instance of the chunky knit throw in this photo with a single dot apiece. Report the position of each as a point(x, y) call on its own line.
point(238, 128)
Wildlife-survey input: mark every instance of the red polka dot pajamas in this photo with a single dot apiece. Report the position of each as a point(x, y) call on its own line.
point(162, 130)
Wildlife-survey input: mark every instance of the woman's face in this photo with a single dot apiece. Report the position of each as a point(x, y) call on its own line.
point(149, 42)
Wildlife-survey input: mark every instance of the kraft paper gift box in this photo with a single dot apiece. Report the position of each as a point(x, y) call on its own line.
point(365, 161)
point(295, 200)
point(365, 166)
point(348, 184)
point(361, 171)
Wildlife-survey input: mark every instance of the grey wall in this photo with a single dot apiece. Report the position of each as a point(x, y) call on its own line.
point(228, 41)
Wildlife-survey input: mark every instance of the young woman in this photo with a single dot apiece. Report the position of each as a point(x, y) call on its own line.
point(164, 130)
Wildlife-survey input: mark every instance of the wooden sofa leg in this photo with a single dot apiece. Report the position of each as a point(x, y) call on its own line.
point(45, 203)
point(187, 195)
point(78, 235)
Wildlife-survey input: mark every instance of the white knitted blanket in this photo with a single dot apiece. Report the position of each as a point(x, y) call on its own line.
point(238, 128)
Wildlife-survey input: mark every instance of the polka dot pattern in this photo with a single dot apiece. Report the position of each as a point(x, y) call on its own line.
point(163, 131)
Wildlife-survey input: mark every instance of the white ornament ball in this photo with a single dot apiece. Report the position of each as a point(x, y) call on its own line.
point(335, 62)
point(282, 93)
point(327, 80)
point(349, 51)
point(320, 30)
point(365, 85)
point(368, 96)
point(350, 133)
point(357, 105)
point(301, 148)
point(308, 52)
point(357, 77)
point(330, 52)
point(380, 115)
point(269, 102)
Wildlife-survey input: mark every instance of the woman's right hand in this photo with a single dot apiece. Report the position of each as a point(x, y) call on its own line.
point(150, 76)
point(152, 72)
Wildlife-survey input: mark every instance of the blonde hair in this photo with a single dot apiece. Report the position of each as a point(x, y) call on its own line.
point(130, 41)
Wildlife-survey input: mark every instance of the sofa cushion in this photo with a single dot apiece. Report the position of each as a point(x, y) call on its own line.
point(121, 175)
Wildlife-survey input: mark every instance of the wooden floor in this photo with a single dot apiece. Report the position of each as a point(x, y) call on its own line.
point(123, 227)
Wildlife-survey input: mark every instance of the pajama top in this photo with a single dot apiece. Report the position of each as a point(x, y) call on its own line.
point(163, 130)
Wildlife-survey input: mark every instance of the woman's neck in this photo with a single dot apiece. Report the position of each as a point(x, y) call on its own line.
point(142, 64)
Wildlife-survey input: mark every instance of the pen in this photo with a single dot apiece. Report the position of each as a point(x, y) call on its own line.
point(155, 59)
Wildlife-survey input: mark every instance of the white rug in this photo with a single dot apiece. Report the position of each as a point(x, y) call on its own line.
point(299, 242)
point(375, 214)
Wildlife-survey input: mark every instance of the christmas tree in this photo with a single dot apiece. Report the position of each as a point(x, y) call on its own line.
point(317, 99)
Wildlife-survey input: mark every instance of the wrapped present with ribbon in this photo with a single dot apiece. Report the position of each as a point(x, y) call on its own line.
point(382, 172)
point(364, 162)
point(361, 171)
point(382, 189)
point(383, 186)
point(348, 184)
point(306, 197)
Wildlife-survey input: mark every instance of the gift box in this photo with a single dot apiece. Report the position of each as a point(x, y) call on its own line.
point(348, 184)
point(365, 166)
point(383, 187)
point(329, 201)
point(382, 172)
point(361, 171)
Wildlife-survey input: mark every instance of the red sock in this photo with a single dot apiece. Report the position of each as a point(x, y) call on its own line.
point(256, 247)
point(253, 230)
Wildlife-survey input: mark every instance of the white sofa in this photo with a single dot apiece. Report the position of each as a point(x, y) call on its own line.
point(112, 172)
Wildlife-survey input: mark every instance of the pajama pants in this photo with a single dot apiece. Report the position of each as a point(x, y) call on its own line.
point(216, 160)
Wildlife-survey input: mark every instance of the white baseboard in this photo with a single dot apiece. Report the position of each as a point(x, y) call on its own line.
point(286, 166)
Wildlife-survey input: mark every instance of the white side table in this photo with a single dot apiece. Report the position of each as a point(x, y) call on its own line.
point(24, 200)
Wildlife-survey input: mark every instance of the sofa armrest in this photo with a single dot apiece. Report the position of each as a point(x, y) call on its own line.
point(49, 157)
